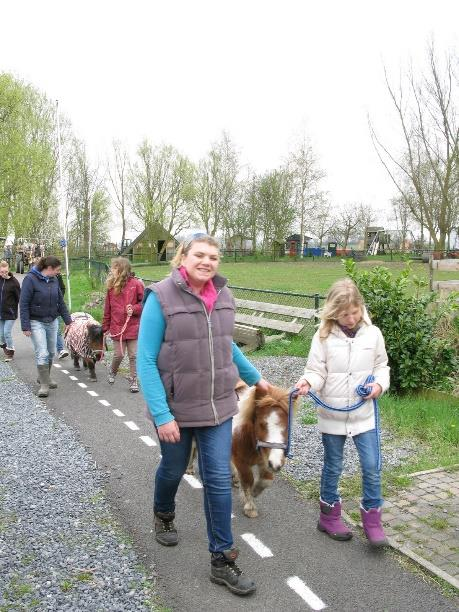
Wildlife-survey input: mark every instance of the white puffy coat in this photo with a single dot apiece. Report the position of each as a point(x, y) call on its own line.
point(336, 366)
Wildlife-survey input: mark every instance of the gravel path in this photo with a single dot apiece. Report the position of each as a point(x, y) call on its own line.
point(60, 548)
point(306, 440)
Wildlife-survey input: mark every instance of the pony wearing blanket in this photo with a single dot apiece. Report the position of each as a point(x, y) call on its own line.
point(85, 339)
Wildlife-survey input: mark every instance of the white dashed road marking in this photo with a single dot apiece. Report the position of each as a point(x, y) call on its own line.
point(314, 602)
point(93, 393)
point(131, 425)
point(64, 371)
point(147, 440)
point(104, 403)
point(57, 365)
point(118, 412)
point(73, 378)
point(191, 480)
point(257, 545)
point(82, 385)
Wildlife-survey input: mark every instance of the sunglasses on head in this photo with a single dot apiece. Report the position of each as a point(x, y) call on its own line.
point(196, 236)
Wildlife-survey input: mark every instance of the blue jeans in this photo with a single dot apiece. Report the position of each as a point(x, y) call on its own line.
point(6, 327)
point(367, 447)
point(44, 340)
point(214, 455)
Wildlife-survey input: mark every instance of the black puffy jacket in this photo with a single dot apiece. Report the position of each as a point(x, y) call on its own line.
point(10, 291)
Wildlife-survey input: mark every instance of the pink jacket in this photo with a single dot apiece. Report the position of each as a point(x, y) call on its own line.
point(115, 310)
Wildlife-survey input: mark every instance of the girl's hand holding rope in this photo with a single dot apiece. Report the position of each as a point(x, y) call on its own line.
point(302, 386)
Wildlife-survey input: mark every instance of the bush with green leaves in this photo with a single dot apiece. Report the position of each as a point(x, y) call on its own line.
point(418, 356)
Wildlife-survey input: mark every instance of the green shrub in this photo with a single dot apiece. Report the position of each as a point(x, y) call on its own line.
point(418, 356)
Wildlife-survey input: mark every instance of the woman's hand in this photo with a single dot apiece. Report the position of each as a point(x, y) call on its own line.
point(129, 310)
point(169, 432)
point(27, 332)
point(376, 390)
point(303, 386)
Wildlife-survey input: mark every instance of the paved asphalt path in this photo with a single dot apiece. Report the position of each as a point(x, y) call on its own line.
point(339, 576)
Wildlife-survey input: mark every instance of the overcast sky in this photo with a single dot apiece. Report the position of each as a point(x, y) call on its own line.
point(181, 71)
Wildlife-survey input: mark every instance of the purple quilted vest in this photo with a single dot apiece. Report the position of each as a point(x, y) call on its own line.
point(195, 361)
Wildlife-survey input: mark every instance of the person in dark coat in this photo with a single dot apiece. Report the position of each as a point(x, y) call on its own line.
point(10, 291)
point(41, 304)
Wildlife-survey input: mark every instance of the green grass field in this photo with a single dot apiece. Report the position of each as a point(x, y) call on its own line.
point(306, 276)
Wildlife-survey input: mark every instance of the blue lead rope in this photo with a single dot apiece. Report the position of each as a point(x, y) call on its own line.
point(362, 391)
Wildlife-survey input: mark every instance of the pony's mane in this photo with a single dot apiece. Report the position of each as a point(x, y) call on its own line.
point(250, 403)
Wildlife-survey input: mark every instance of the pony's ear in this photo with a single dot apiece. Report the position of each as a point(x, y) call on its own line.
point(259, 393)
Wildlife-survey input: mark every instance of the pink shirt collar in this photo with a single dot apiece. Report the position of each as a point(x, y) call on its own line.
point(208, 293)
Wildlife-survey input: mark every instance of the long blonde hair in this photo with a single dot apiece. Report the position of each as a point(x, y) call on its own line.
point(117, 283)
point(342, 295)
point(185, 246)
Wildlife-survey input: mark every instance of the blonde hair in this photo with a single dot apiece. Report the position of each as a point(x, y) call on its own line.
point(343, 294)
point(4, 264)
point(185, 246)
point(118, 282)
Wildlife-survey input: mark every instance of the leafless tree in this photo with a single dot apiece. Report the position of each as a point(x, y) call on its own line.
point(162, 184)
point(306, 176)
point(321, 220)
point(427, 174)
point(87, 201)
point(216, 187)
point(346, 223)
point(118, 174)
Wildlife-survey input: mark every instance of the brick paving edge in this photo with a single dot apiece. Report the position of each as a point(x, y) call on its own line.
point(435, 470)
point(433, 569)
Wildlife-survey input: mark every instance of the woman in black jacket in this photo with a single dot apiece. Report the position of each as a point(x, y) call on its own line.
point(9, 300)
point(41, 305)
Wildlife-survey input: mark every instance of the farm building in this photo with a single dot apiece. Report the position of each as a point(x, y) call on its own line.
point(239, 242)
point(154, 244)
point(293, 244)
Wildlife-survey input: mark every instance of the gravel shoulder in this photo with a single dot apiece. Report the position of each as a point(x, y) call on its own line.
point(60, 547)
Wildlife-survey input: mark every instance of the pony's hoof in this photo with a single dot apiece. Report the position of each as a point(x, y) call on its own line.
point(251, 512)
point(77, 368)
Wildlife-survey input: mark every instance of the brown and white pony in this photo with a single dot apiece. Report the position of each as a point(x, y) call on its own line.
point(260, 435)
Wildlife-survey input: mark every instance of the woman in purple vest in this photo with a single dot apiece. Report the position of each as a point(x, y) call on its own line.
point(188, 367)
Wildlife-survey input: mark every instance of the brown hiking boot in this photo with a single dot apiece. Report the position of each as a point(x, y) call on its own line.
point(165, 530)
point(223, 570)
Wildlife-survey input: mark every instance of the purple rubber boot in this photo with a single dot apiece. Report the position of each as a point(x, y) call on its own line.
point(330, 522)
point(372, 526)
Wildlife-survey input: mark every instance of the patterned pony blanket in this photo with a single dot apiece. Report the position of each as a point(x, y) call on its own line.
point(77, 337)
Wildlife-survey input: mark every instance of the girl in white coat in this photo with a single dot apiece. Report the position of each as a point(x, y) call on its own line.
point(345, 350)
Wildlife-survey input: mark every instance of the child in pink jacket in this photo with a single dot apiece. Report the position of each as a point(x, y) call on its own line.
point(123, 307)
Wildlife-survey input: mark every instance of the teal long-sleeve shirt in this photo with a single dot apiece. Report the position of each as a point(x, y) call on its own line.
point(151, 336)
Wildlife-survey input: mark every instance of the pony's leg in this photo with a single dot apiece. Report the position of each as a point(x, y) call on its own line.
point(234, 476)
point(265, 480)
point(246, 483)
point(92, 369)
point(76, 362)
point(193, 455)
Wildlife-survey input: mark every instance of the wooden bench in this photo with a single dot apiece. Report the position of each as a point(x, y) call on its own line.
point(444, 286)
point(287, 319)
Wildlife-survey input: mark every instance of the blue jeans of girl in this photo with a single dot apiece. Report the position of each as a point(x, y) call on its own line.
point(214, 456)
point(44, 340)
point(367, 448)
point(6, 328)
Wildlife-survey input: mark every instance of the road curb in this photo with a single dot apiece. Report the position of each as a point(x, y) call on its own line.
point(430, 567)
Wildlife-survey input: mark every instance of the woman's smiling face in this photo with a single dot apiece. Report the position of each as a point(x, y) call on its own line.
point(201, 262)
